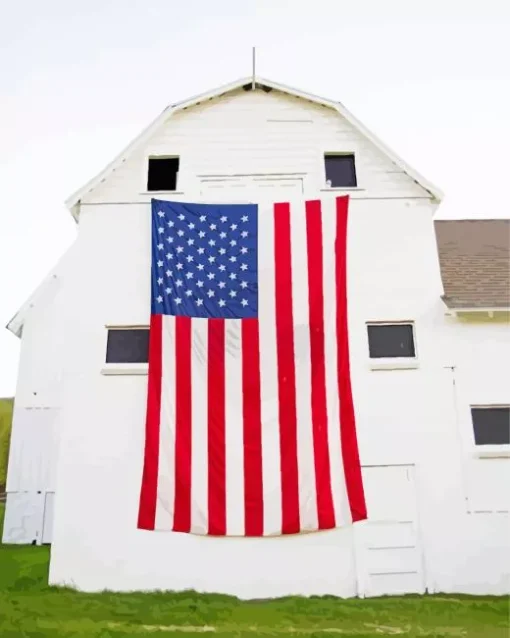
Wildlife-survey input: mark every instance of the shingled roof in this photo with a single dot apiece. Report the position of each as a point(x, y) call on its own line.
point(474, 257)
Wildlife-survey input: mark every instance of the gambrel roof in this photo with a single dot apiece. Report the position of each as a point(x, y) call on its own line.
point(247, 83)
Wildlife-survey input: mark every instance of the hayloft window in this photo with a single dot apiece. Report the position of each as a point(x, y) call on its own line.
point(491, 425)
point(162, 173)
point(391, 340)
point(127, 345)
point(340, 170)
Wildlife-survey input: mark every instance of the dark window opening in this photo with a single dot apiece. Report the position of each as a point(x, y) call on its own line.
point(162, 175)
point(491, 425)
point(130, 345)
point(340, 171)
point(391, 340)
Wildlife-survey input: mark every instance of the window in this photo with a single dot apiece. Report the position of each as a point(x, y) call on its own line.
point(391, 340)
point(162, 173)
point(491, 425)
point(127, 345)
point(340, 171)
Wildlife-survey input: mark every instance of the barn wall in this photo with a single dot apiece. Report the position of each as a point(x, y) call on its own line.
point(414, 435)
point(437, 512)
point(255, 132)
point(32, 466)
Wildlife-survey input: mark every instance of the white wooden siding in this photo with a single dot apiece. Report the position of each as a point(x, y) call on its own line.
point(33, 450)
point(256, 133)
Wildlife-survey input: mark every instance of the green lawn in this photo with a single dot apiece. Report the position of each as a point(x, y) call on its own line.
point(5, 435)
point(28, 607)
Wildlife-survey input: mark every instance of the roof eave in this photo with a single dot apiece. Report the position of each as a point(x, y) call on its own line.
point(436, 193)
point(15, 325)
point(453, 307)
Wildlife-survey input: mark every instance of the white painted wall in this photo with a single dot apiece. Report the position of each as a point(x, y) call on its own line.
point(424, 488)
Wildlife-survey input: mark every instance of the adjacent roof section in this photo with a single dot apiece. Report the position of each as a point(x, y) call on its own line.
point(40, 294)
point(246, 83)
point(474, 257)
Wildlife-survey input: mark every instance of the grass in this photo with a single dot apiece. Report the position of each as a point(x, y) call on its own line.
point(5, 436)
point(29, 608)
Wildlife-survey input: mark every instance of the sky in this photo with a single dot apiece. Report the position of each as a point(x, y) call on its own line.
point(79, 80)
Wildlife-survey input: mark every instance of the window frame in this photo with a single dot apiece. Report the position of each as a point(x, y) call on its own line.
point(131, 368)
point(145, 176)
point(343, 153)
point(393, 363)
point(488, 450)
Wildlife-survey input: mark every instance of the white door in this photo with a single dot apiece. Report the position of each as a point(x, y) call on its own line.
point(388, 549)
point(231, 188)
point(47, 534)
point(23, 518)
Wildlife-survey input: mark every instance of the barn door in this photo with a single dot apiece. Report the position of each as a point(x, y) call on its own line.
point(23, 518)
point(250, 187)
point(388, 547)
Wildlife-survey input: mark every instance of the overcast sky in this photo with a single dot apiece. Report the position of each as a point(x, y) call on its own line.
point(79, 80)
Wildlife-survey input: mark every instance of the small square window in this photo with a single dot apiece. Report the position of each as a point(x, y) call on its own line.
point(340, 171)
point(127, 345)
point(162, 173)
point(391, 340)
point(491, 425)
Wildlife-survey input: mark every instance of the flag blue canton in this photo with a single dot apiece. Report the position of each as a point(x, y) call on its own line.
point(204, 260)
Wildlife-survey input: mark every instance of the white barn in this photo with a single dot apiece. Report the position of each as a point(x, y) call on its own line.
point(428, 331)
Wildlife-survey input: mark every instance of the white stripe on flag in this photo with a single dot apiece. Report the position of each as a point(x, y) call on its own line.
point(305, 442)
point(271, 479)
point(166, 465)
point(234, 441)
point(339, 490)
point(199, 438)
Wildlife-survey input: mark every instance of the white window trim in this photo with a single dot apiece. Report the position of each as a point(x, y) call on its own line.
point(123, 369)
point(325, 187)
point(166, 193)
point(393, 363)
point(145, 176)
point(342, 189)
point(494, 450)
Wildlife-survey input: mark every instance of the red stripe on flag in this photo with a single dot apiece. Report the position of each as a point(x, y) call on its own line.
point(286, 369)
point(350, 454)
point(253, 495)
point(183, 424)
point(216, 427)
point(149, 488)
point(325, 508)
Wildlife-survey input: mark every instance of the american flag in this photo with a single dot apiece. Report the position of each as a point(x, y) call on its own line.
point(250, 427)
